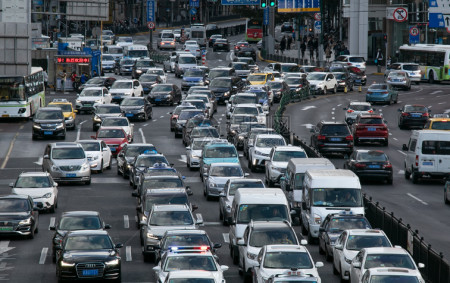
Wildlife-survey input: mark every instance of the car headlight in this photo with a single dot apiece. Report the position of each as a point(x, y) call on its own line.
point(112, 262)
point(128, 94)
point(226, 93)
point(152, 236)
point(241, 137)
point(195, 156)
point(70, 118)
point(97, 118)
point(95, 157)
point(168, 96)
point(139, 71)
point(201, 82)
point(85, 166)
point(317, 219)
point(212, 185)
point(98, 101)
point(251, 256)
point(37, 126)
point(347, 260)
point(78, 101)
point(276, 168)
point(258, 152)
point(25, 221)
point(60, 126)
point(55, 168)
point(47, 195)
point(233, 132)
point(67, 264)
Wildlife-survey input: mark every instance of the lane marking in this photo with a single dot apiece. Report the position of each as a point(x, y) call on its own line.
point(142, 135)
point(416, 198)
point(442, 102)
point(395, 139)
point(332, 118)
point(401, 152)
point(128, 253)
point(212, 223)
point(436, 91)
point(333, 108)
point(79, 129)
point(11, 146)
point(145, 125)
point(52, 222)
point(390, 134)
point(199, 217)
point(4, 247)
point(226, 237)
point(126, 222)
point(332, 113)
point(183, 158)
point(308, 107)
point(401, 172)
point(339, 105)
point(43, 255)
point(308, 126)
point(154, 120)
point(161, 117)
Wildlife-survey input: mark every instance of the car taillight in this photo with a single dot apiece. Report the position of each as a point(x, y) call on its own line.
point(405, 114)
point(349, 138)
point(300, 86)
point(321, 138)
point(369, 92)
point(350, 111)
point(198, 50)
point(426, 115)
point(187, 50)
point(349, 64)
point(387, 165)
point(417, 160)
point(385, 92)
point(360, 165)
point(174, 116)
point(370, 111)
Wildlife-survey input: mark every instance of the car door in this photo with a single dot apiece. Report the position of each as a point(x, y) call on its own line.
point(355, 273)
point(337, 254)
point(106, 153)
point(243, 248)
point(136, 89)
point(46, 162)
point(411, 154)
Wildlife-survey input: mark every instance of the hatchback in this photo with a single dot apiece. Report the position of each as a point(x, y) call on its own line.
point(383, 93)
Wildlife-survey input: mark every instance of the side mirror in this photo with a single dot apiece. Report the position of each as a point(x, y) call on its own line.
point(105, 149)
point(93, 137)
point(217, 246)
point(399, 110)
point(321, 229)
point(420, 265)
point(246, 174)
point(107, 226)
point(121, 154)
point(339, 247)
point(222, 194)
point(75, 111)
point(11, 185)
point(189, 191)
point(143, 223)
point(319, 264)
point(53, 227)
point(58, 247)
point(405, 147)
point(118, 246)
point(157, 268)
point(46, 156)
point(241, 242)
point(194, 207)
point(224, 267)
point(205, 174)
point(188, 148)
point(303, 242)
point(356, 264)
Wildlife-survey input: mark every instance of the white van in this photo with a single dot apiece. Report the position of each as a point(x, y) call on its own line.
point(135, 51)
point(427, 155)
point(292, 180)
point(326, 192)
point(257, 205)
point(115, 51)
point(198, 33)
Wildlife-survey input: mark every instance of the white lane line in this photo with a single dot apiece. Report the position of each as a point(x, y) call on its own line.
point(145, 125)
point(401, 172)
point(333, 108)
point(128, 253)
point(436, 91)
point(11, 146)
point(126, 222)
point(395, 139)
point(429, 106)
point(183, 158)
point(223, 115)
point(416, 198)
point(332, 113)
point(442, 102)
point(401, 152)
point(79, 129)
point(39, 162)
point(308, 126)
point(308, 107)
point(381, 110)
point(390, 134)
point(4, 247)
point(199, 217)
point(161, 117)
point(438, 96)
point(142, 135)
point(52, 222)
point(384, 106)
point(43, 255)
point(154, 120)
point(339, 105)
point(212, 223)
point(226, 237)
point(332, 118)
point(168, 113)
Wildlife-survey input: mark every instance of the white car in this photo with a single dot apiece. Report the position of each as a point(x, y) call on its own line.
point(122, 122)
point(250, 109)
point(382, 257)
point(278, 259)
point(278, 161)
point(98, 154)
point(218, 175)
point(192, 276)
point(388, 274)
point(123, 41)
point(108, 63)
point(322, 82)
point(91, 97)
point(193, 47)
point(160, 72)
point(262, 145)
point(123, 88)
point(352, 60)
point(350, 242)
point(40, 187)
point(194, 152)
point(204, 98)
point(356, 108)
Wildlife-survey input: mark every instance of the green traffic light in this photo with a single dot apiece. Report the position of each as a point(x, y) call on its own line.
point(263, 5)
point(272, 3)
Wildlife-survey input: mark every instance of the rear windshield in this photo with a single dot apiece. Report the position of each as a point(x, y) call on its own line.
point(411, 67)
point(436, 147)
point(415, 109)
point(334, 130)
point(378, 86)
point(359, 107)
point(371, 121)
point(221, 152)
point(356, 59)
point(440, 125)
point(197, 34)
point(372, 156)
point(186, 115)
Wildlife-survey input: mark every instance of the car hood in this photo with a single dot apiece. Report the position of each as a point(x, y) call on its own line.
point(160, 230)
point(10, 216)
point(316, 82)
point(279, 164)
point(263, 149)
point(89, 98)
point(196, 152)
point(221, 180)
point(113, 140)
point(109, 115)
point(32, 192)
point(48, 121)
point(92, 153)
point(120, 90)
point(242, 71)
point(350, 254)
point(69, 162)
point(219, 89)
point(89, 255)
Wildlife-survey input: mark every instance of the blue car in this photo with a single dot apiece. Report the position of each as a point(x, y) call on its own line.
point(217, 151)
point(382, 93)
point(193, 77)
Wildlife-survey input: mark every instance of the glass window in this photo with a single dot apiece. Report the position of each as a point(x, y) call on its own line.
point(358, 242)
point(194, 262)
point(262, 212)
point(91, 146)
point(71, 223)
point(68, 153)
point(287, 260)
point(49, 115)
point(389, 260)
point(285, 156)
point(89, 242)
point(237, 185)
point(111, 133)
point(341, 197)
point(171, 218)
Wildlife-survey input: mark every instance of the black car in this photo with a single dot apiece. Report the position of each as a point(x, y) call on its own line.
point(247, 52)
point(278, 89)
point(332, 137)
point(224, 87)
point(242, 69)
point(18, 216)
point(165, 94)
point(88, 254)
point(221, 45)
point(221, 72)
point(287, 27)
point(137, 108)
point(359, 77)
point(332, 227)
point(242, 133)
point(201, 132)
point(184, 116)
point(97, 82)
point(148, 81)
point(413, 116)
point(49, 122)
point(75, 220)
point(124, 66)
point(344, 81)
point(156, 180)
point(213, 38)
point(175, 113)
point(144, 163)
point(370, 164)
point(102, 111)
point(198, 121)
point(127, 155)
point(140, 67)
point(239, 45)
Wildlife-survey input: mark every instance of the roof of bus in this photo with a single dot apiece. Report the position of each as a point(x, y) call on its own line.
point(426, 47)
point(35, 69)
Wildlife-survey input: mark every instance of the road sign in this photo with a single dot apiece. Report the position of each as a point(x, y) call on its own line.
point(414, 36)
point(400, 15)
point(295, 6)
point(241, 2)
point(193, 11)
point(414, 31)
point(194, 3)
point(151, 25)
point(150, 11)
point(266, 17)
point(317, 26)
point(317, 17)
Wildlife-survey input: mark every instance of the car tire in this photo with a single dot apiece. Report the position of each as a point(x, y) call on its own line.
point(52, 208)
point(324, 90)
point(101, 168)
point(311, 240)
point(390, 180)
point(417, 83)
point(415, 177)
point(88, 182)
point(431, 78)
point(335, 89)
point(234, 256)
point(386, 143)
point(33, 231)
point(446, 201)
point(149, 258)
point(118, 171)
point(109, 164)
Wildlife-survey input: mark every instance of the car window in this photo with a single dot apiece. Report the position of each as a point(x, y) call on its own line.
point(71, 223)
point(170, 218)
point(32, 182)
point(260, 238)
point(49, 115)
point(287, 260)
point(330, 130)
point(14, 205)
point(88, 242)
point(186, 241)
point(68, 153)
point(90, 146)
point(358, 242)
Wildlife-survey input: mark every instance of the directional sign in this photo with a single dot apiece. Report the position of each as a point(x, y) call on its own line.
point(194, 3)
point(317, 17)
point(400, 15)
point(317, 26)
point(414, 36)
point(193, 11)
point(296, 6)
point(266, 17)
point(151, 11)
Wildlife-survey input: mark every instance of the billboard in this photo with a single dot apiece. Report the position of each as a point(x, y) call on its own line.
point(92, 10)
point(298, 6)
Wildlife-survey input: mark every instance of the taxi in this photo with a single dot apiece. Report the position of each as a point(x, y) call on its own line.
point(438, 122)
point(260, 78)
point(68, 111)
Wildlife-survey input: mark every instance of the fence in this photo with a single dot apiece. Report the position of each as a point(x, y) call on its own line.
point(437, 269)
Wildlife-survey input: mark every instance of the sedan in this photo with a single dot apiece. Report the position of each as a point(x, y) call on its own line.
point(278, 89)
point(247, 52)
point(98, 81)
point(98, 154)
point(221, 45)
point(383, 93)
point(90, 97)
point(19, 216)
point(213, 39)
point(322, 82)
point(399, 79)
point(149, 81)
point(121, 122)
point(165, 94)
point(345, 81)
point(114, 137)
point(370, 164)
point(413, 116)
point(137, 108)
point(218, 175)
point(239, 45)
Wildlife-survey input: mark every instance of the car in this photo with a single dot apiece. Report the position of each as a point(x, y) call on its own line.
point(359, 77)
point(108, 63)
point(66, 162)
point(370, 128)
point(125, 88)
point(247, 52)
point(169, 65)
point(121, 122)
point(107, 39)
point(184, 62)
point(166, 40)
point(194, 151)
point(352, 60)
point(240, 98)
point(193, 77)
point(212, 101)
point(218, 174)
point(68, 111)
point(278, 160)
point(279, 259)
point(221, 45)
point(289, 69)
point(438, 122)
point(183, 117)
point(97, 82)
point(296, 83)
point(201, 132)
point(126, 157)
point(263, 95)
point(158, 71)
point(248, 140)
point(278, 89)
point(250, 62)
point(114, 137)
point(356, 108)
point(197, 121)
point(287, 27)
point(165, 94)
point(91, 97)
point(242, 132)
point(212, 27)
point(137, 108)
point(309, 69)
point(345, 81)
point(350, 242)
point(413, 115)
point(396, 257)
point(161, 219)
point(322, 82)
point(124, 67)
point(260, 151)
point(224, 87)
point(88, 254)
point(221, 72)
point(192, 47)
point(141, 66)
point(412, 69)
point(206, 103)
point(49, 122)
point(233, 125)
point(242, 69)
point(239, 45)
point(98, 154)
point(193, 89)
point(227, 195)
point(103, 111)
point(19, 216)
point(75, 221)
point(217, 151)
point(381, 93)
point(399, 79)
point(115, 51)
point(40, 186)
point(123, 41)
point(259, 45)
point(176, 113)
point(149, 163)
point(259, 78)
point(332, 137)
point(332, 227)
point(388, 274)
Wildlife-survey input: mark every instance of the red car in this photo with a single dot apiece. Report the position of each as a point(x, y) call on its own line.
point(114, 137)
point(370, 128)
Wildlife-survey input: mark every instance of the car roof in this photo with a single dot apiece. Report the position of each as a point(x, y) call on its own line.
point(360, 103)
point(285, 248)
point(32, 174)
point(80, 213)
point(14, 196)
point(108, 105)
point(87, 232)
point(65, 144)
point(385, 250)
point(289, 148)
point(266, 136)
point(245, 180)
point(171, 207)
point(366, 232)
point(392, 271)
point(185, 232)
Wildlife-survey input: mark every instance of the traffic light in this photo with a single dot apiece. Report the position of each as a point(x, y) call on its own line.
point(385, 37)
point(273, 3)
point(263, 4)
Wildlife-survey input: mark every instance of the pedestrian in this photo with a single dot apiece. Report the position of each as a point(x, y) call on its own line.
point(94, 74)
point(44, 73)
point(283, 44)
point(389, 60)
point(328, 53)
point(311, 50)
point(379, 58)
point(63, 77)
point(289, 42)
point(303, 49)
point(83, 78)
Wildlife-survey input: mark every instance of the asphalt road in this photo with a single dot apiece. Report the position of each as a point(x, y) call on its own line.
point(30, 260)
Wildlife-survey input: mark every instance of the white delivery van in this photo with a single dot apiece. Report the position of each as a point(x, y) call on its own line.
point(326, 192)
point(258, 205)
point(135, 51)
point(427, 155)
point(292, 181)
point(115, 51)
point(198, 33)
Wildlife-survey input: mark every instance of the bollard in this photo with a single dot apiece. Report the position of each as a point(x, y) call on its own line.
point(345, 89)
point(360, 88)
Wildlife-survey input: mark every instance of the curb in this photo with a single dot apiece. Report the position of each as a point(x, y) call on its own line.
point(264, 60)
point(378, 74)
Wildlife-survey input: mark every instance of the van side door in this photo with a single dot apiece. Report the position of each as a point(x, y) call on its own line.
point(411, 154)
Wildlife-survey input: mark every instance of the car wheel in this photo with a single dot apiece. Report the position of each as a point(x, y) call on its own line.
point(235, 255)
point(304, 231)
point(101, 168)
point(386, 143)
point(88, 182)
point(417, 83)
point(311, 240)
point(109, 164)
point(52, 208)
point(407, 174)
point(33, 231)
point(118, 171)
point(324, 90)
point(149, 258)
point(415, 177)
point(269, 182)
point(446, 198)
point(335, 89)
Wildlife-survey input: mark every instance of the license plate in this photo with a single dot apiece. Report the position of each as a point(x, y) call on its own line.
point(374, 166)
point(129, 115)
point(427, 163)
point(48, 133)
point(416, 115)
point(358, 81)
point(335, 139)
point(220, 45)
point(113, 148)
point(371, 129)
point(90, 272)
point(71, 175)
point(157, 99)
point(5, 115)
point(248, 53)
point(6, 228)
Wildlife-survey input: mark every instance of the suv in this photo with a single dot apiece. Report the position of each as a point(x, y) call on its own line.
point(125, 88)
point(277, 164)
point(68, 111)
point(332, 137)
point(355, 108)
point(18, 215)
point(224, 87)
point(183, 63)
point(140, 67)
point(90, 97)
point(370, 128)
point(49, 122)
point(67, 162)
point(259, 153)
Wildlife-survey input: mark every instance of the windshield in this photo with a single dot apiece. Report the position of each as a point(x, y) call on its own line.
point(127, 62)
point(262, 212)
point(241, 67)
point(192, 240)
point(109, 122)
point(237, 185)
point(91, 92)
point(171, 218)
point(178, 110)
point(198, 144)
point(71, 223)
point(440, 125)
point(145, 63)
point(285, 156)
point(89, 242)
point(119, 85)
point(49, 115)
point(260, 238)
point(378, 87)
point(389, 260)
point(393, 279)
point(115, 50)
point(256, 78)
point(290, 68)
point(68, 153)
point(221, 82)
point(156, 71)
point(186, 115)
point(226, 171)
point(316, 77)
point(346, 223)
point(218, 73)
point(287, 260)
point(335, 130)
point(163, 183)
point(269, 142)
point(125, 39)
point(408, 67)
point(371, 121)
point(133, 151)
point(275, 85)
point(108, 110)
point(162, 88)
point(64, 107)
point(357, 107)
point(193, 73)
point(140, 53)
point(246, 110)
point(340, 76)
point(33, 182)
point(356, 59)
point(111, 133)
point(220, 152)
point(358, 242)
point(190, 262)
point(415, 108)
point(246, 127)
point(239, 119)
point(91, 146)
point(205, 132)
point(165, 199)
point(241, 99)
point(187, 60)
point(14, 205)
point(247, 60)
point(337, 197)
point(149, 161)
point(107, 58)
point(132, 102)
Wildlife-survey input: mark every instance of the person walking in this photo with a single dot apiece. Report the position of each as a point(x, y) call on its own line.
point(379, 60)
point(303, 49)
point(283, 44)
point(328, 53)
point(289, 42)
point(311, 50)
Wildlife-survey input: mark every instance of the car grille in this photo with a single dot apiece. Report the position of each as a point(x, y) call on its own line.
point(312, 86)
point(219, 94)
point(70, 168)
point(113, 145)
point(90, 266)
point(87, 102)
point(49, 126)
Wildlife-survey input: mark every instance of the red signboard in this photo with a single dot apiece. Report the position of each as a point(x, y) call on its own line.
point(73, 60)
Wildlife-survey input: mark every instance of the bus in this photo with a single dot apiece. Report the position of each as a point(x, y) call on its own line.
point(22, 96)
point(198, 33)
point(253, 30)
point(433, 60)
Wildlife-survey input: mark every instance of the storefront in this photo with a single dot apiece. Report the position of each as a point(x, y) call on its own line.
point(66, 65)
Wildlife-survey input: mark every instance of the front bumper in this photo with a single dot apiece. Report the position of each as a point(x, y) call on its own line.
point(71, 176)
point(47, 203)
point(77, 271)
point(135, 115)
point(414, 122)
point(378, 98)
point(194, 162)
point(344, 148)
point(259, 160)
point(274, 175)
point(70, 123)
point(49, 132)
point(15, 229)
point(215, 191)
point(160, 100)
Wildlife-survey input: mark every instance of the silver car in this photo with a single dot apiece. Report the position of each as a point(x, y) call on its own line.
point(399, 79)
point(66, 162)
point(218, 175)
point(194, 152)
point(356, 108)
point(412, 69)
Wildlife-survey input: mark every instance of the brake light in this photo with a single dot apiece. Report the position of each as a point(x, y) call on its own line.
point(370, 111)
point(385, 92)
point(187, 50)
point(204, 248)
point(300, 86)
point(174, 116)
point(360, 165)
point(417, 160)
point(198, 50)
point(405, 114)
point(387, 165)
point(369, 92)
point(349, 64)
point(349, 138)
point(321, 138)
point(426, 115)
point(350, 111)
